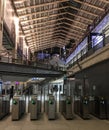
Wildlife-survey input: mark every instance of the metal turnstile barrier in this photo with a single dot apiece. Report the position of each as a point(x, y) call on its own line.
point(51, 108)
point(98, 108)
point(84, 108)
point(46, 107)
point(66, 106)
point(34, 108)
point(4, 106)
point(92, 106)
point(77, 106)
point(18, 107)
point(81, 107)
point(107, 109)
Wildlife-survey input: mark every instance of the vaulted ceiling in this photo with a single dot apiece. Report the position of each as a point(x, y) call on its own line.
point(50, 23)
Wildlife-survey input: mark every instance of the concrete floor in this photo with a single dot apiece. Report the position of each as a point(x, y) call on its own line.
point(60, 124)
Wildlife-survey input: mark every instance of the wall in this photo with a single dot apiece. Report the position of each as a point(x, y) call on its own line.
point(98, 75)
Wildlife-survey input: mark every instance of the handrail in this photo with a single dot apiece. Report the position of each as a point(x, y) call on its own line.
point(30, 63)
point(89, 48)
point(89, 51)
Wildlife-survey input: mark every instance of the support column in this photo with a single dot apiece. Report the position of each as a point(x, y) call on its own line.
point(60, 51)
point(1, 22)
point(16, 23)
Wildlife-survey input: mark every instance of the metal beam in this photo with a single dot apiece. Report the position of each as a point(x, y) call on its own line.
point(41, 5)
point(42, 27)
point(42, 39)
point(47, 38)
point(51, 43)
point(84, 11)
point(28, 34)
point(82, 17)
point(71, 31)
point(42, 23)
point(61, 42)
point(41, 43)
point(78, 36)
point(62, 32)
point(33, 37)
point(51, 25)
point(76, 21)
point(35, 19)
point(75, 26)
point(50, 34)
point(90, 5)
point(42, 12)
point(48, 46)
point(44, 17)
point(59, 36)
point(46, 22)
point(105, 1)
point(47, 42)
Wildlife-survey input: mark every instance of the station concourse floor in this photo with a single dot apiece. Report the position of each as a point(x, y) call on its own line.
point(60, 124)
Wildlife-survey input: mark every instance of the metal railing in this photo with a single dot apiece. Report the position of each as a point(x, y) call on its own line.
point(89, 50)
point(38, 64)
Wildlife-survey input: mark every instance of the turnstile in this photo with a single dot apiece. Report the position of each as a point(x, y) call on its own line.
point(51, 109)
point(107, 109)
point(92, 105)
point(34, 108)
point(4, 106)
point(46, 107)
point(99, 107)
point(18, 107)
point(82, 107)
point(77, 106)
point(62, 103)
point(66, 106)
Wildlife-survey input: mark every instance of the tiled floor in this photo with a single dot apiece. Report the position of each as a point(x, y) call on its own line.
point(60, 124)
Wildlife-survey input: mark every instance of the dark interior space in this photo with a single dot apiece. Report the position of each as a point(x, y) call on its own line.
point(98, 75)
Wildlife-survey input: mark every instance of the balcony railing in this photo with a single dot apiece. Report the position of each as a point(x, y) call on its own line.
point(89, 50)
